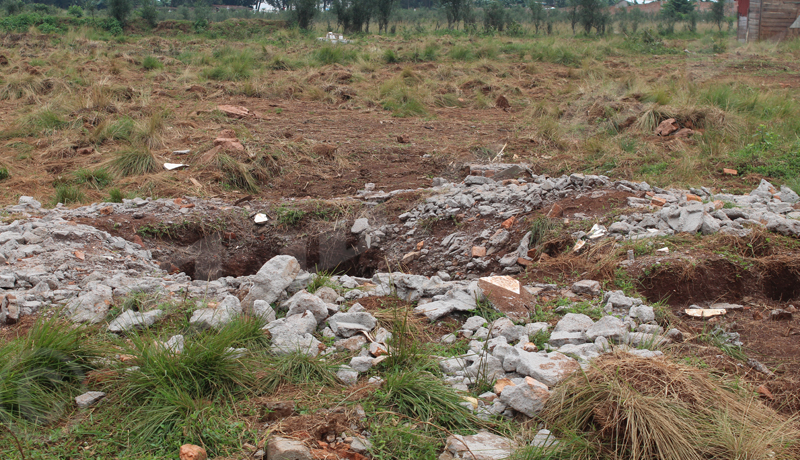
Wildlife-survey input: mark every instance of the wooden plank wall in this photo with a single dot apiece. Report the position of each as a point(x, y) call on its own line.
point(776, 17)
point(754, 20)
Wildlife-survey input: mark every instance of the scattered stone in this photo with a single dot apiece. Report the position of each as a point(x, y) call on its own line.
point(234, 111)
point(667, 127)
point(90, 307)
point(506, 295)
point(528, 398)
point(130, 319)
point(89, 398)
point(589, 287)
point(478, 251)
point(481, 446)
point(271, 279)
point(359, 226)
point(780, 315)
point(544, 439)
point(192, 452)
point(280, 448)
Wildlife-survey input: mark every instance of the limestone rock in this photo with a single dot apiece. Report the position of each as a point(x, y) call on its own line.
point(271, 279)
point(481, 446)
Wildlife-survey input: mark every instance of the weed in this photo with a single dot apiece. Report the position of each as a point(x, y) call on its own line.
point(329, 54)
point(540, 229)
point(134, 162)
point(4, 174)
point(66, 194)
point(540, 338)
point(486, 310)
point(115, 195)
point(299, 369)
point(718, 338)
point(321, 279)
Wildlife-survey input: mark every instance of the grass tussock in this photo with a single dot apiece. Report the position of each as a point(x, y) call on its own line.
point(641, 409)
point(134, 162)
point(68, 194)
point(41, 372)
point(237, 174)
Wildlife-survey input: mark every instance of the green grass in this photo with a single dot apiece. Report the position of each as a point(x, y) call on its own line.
point(321, 279)
point(151, 63)
point(237, 174)
point(134, 162)
point(231, 65)
point(115, 195)
point(98, 178)
point(68, 194)
point(4, 174)
point(298, 369)
point(42, 371)
point(332, 54)
point(289, 216)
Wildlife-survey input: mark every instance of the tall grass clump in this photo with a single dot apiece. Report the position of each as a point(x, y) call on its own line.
point(237, 174)
point(641, 409)
point(402, 96)
point(151, 63)
point(298, 368)
point(331, 54)
point(185, 396)
point(41, 372)
point(97, 178)
point(134, 162)
point(68, 194)
point(231, 65)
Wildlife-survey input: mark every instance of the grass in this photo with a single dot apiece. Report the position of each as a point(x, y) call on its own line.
point(299, 369)
point(237, 174)
point(4, 174)
point(151, 63)
point(289, 216)
point(133, 162)
point(630, 407)
point(97, 178)
point(321, 279)
point(41, 372)
point(68, 194)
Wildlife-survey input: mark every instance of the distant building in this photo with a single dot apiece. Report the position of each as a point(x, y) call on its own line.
point(768, 20)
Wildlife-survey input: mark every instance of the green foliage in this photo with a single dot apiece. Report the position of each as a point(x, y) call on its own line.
point(353, 15)
point(98, 178)
point(321, 279)
point(718, 13)
point(115, 196)
point(289, 216)
point(149, 13)
point(42, 371)
point(456, 11)
point(234, 65)
point(540, 338)
point(422, 397)
point(485, 310)
point(304, 12)
point(4, 174)
point(390, 56)
point(332, 54)
point(75, 11)
point(151, 63)
point(299, 369)
point(67, 193)
point(494, 17)
point(541, 229)
point(119, 10)
point(383, 11)
point(134, 162)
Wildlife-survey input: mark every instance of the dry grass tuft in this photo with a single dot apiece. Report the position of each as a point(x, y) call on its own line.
point(641, 409)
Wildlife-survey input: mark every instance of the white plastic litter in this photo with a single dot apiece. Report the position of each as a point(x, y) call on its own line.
point(260, 219)
point(173, 166)
point(333, 38)
point(597, 231)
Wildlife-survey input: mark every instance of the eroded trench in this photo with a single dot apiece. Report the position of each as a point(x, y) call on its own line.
point(772, 278)
point(209, 257)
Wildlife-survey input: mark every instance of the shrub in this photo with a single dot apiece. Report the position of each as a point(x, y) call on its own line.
point(115, 195)
point(75, 11)
point(149, 13)
point(119, 10)
point(134, 162)
point(4, 174)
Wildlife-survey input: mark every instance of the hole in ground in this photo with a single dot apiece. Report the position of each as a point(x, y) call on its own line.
point(214, 257)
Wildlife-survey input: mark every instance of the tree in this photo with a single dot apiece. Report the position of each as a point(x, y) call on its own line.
point(304, 12)
point(494, 17)
point(718, 13)
point(149, 12)
point(455, 10)
point(383, 10)
point(592, 15)
point(119, 10)
point(353, 15)
point(676, 11)
point(537, 14)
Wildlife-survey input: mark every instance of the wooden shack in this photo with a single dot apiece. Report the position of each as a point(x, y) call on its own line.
point(768, 20)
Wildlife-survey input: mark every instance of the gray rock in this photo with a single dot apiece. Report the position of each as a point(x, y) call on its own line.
point(304, 323)
point(589, 287)
point(29, 202)
point(710, 225)
point(529, 397)
point(642, 313)
point(573, 322)
point(90, 307)
point(561, 338)
point(477, 180)
point(481, 446)
point(175, 344)
point(303, 301)
point(130, 319)
point(284, 344)
point(361, 363)
point(359, 226)
point(544, 439)
point(360, 445)
point(349, 324)
point(327, 294)
point(7, 280)
point(279, 448)
point(687, 218)
point(608, 326)
point(272, 278)
point(618, 299)
point(788, 195)
point(262, 309)
point(473, 323)
point(347, 375)
point(89, 398)
point(548, 368)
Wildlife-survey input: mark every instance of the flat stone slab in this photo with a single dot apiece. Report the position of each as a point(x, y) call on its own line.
point(481, 446)
point(89, 398)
